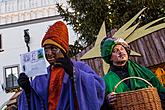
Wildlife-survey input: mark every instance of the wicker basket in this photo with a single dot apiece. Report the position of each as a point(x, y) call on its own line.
point(142, 99)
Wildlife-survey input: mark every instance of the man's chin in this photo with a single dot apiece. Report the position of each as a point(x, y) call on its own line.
point(120, 63)
point(55, 64)
point(51, 62)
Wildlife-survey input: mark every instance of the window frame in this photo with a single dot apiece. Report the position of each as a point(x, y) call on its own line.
point(13, 87)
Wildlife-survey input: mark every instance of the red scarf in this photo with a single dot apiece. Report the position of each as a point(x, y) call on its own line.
point(55, 86)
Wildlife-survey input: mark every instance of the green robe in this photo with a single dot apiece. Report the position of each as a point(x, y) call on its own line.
point(111, 79)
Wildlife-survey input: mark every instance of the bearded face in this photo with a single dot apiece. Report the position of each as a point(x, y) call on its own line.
point(119, 56)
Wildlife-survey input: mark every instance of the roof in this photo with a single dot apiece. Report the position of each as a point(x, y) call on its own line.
point(151, 48)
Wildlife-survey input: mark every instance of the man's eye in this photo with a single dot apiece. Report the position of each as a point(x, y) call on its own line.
point(46, 48)
point(122, 49)
point(51, 48)
point(54, 48)
point(114, 51)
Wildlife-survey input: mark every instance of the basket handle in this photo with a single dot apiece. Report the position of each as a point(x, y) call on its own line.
point(131, 78)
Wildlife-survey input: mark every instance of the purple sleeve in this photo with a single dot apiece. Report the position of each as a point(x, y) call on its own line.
point(90, 87)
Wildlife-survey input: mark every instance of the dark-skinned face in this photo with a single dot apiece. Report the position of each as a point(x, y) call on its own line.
point(52, 53)
point(119, 56)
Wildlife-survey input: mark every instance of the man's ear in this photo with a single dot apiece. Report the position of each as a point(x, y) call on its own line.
point(62, 51)
point(128, 49)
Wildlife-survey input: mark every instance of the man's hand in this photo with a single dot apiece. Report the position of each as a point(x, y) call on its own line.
point(66, 64)
point(24, 83)
point(111, 98)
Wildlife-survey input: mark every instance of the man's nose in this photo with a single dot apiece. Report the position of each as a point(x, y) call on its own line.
point(121, 51)
point(49, 51)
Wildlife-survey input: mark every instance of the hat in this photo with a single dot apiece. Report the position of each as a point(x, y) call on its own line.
point(107, 46)
point(57, 35)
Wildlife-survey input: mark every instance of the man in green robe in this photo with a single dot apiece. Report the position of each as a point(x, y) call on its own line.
point(116, 52)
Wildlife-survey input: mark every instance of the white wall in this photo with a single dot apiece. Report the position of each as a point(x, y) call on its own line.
point(17, 5)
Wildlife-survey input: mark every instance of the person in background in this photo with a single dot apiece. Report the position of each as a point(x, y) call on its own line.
point(11, 107)
point(116, 53)
point(69, 85)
